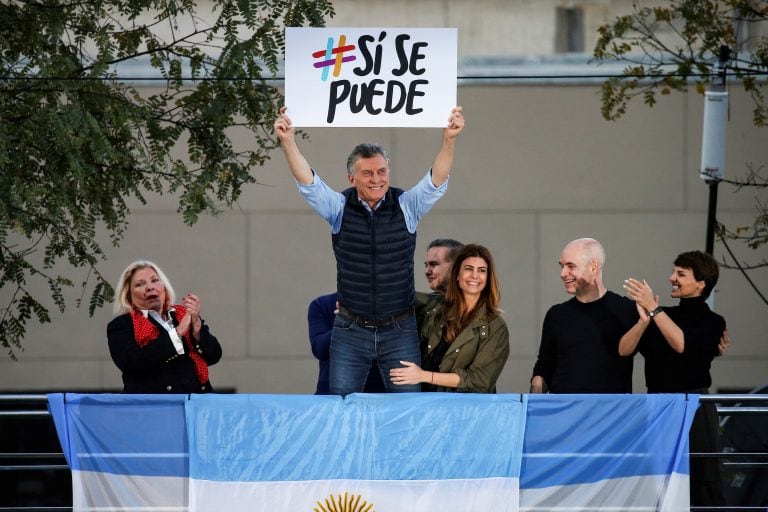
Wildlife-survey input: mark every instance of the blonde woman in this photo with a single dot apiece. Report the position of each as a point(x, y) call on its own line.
point(160, 347)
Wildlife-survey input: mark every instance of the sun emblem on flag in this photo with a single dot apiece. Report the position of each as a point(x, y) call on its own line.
point(346, 503)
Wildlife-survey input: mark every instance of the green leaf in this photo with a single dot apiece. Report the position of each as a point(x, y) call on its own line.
point(77, 144)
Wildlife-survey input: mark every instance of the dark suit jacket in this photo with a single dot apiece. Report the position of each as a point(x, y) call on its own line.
point(156, 367)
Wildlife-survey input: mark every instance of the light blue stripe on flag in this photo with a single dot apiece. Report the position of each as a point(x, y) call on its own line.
point(420, 436)
point(140, 435)
point(579, 439)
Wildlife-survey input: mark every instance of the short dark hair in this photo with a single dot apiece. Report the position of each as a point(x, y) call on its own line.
point(365, 150)
point(704, 266)
point(453, 246)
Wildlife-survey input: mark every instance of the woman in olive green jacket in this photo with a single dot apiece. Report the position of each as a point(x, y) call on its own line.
point(465, 342)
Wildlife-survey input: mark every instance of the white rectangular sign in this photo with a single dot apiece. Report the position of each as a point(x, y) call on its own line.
point(370, 76)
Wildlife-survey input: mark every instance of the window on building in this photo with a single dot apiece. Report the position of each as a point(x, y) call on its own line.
point(569, 30)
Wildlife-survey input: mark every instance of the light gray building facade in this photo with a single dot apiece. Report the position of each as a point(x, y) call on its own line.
point(536, 167)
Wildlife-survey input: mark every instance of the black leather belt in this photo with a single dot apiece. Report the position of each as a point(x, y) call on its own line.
point(377, 322)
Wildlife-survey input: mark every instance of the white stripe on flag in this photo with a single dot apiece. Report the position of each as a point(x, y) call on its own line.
point(662, 493)
point(457, 495)
point(93, 491)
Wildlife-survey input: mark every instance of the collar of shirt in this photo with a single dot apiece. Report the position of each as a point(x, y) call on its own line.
point(154, 314)
point(168, 326)
point(368, 207)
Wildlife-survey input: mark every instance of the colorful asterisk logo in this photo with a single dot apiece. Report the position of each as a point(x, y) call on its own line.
point(333, 56)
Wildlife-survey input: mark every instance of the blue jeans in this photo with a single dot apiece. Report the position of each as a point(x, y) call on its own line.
point(355, 347)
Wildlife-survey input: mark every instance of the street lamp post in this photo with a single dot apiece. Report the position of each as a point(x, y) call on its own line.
point(713, 141)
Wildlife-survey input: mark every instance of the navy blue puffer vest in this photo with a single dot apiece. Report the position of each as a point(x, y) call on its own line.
point(374, 258)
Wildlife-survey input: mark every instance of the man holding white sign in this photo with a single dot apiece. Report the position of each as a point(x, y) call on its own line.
point(373, 229)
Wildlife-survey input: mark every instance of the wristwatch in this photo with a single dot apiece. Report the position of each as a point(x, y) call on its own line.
point(655, 312)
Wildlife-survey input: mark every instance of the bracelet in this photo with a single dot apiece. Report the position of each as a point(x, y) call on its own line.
point(433, 378)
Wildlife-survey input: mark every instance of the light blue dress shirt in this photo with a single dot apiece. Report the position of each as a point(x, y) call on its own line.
point(329, 204)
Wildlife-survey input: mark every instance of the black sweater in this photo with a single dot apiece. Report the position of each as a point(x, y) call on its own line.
point(579, 346)
point(666, 371)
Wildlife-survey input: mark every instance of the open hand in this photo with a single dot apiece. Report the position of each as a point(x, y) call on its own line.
point(410, 373)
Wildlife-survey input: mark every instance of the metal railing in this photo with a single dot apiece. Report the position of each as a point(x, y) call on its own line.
point(34, 475)
point(16, 464)
point(739, 466)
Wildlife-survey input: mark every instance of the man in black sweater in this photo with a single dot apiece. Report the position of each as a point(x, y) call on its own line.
point(580, 337)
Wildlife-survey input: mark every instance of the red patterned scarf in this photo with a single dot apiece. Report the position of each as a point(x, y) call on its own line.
point(146, 331)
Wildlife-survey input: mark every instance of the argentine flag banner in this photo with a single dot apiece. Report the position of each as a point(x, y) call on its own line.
point(607, 452)
point(376, 453)
point(126, 452)
point(414, 452)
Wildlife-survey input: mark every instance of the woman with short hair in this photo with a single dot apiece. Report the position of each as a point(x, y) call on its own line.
point(679, 344)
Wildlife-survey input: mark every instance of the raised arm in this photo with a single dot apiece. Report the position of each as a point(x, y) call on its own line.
point(441, 167)
point(192, 303)
point(296, 162)
point(641, 293)
point(628, 342)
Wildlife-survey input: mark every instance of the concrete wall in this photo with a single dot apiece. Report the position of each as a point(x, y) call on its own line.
point(486, 27)
point(535, 168)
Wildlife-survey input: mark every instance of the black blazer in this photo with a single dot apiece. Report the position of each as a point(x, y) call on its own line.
point(156, 367)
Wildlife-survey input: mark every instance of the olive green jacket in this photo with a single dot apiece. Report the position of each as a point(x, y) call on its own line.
point(478, 353)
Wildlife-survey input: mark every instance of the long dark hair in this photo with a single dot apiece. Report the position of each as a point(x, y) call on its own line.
point(457, 314)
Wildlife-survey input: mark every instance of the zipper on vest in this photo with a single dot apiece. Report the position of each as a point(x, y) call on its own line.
point(374, 298)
